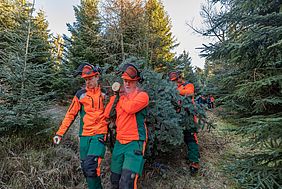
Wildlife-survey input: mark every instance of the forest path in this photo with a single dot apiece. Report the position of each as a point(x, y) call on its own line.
point(172, 171)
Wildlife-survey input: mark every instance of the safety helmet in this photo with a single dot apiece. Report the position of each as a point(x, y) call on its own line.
point(87, 70)
point(130, 72)
point(174, 75)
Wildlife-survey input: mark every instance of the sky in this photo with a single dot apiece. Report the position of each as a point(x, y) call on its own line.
point(60, 12)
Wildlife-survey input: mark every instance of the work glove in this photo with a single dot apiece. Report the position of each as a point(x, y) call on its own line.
point(116, 87)
point(57, 139)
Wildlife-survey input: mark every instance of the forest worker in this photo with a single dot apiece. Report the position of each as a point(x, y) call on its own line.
point(127, 157)
point(93, 126)
point(190, 135)
point(212, 101)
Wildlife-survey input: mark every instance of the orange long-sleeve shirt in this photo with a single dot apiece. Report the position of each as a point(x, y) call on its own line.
point(89, 103)
point(186, 88)
point(131, 112)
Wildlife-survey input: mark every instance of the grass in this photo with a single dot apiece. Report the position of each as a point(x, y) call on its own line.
point(53, 167)
point(49, 167)
point(175, 174)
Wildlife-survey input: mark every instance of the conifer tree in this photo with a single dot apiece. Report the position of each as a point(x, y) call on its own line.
point(58, 50)
point(125, 29)
point(133, 28)
point(85, 42)
point(7, 9)
point(164, 124)
point(63, 81)
point(183, 63)
point(84, 45)
point(251, 86)
point(160, 40)
point(24, 70)
point(42, 47)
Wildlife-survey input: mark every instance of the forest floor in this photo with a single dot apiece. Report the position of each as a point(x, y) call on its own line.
point(59, 167)
point(215, 146)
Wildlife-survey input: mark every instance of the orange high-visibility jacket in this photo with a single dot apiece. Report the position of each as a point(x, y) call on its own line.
point(89, 103)
point(131, 112)
point(212, 99)
point(186, 88)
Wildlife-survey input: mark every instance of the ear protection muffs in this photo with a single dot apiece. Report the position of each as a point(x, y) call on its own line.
point(78, 71)
point(174, 74)
point(133, 73)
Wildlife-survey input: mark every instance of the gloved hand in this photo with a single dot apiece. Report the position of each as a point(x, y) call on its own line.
point(116, 86)
point(57, 139)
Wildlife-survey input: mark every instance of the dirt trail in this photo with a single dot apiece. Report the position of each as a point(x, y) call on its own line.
point(172, 172)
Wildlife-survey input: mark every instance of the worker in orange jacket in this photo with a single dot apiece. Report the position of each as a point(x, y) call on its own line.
point(127, 157)
point(88, 103)
point(190, 135)
point(211, 100)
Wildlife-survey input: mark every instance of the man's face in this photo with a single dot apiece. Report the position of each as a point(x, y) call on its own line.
point(178, 80)
point(92, 82)
point(129, 85)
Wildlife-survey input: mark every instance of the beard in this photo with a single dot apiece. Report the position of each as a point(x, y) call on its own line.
point(129, 89)
point(92, 85)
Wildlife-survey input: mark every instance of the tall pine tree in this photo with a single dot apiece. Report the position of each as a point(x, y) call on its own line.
point(84, 45)
point(160, 40)
point(125, 29)
point(85, 35)
point(24, 71)
point(251, 86)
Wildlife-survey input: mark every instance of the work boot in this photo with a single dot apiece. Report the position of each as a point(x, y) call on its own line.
point(194, 168)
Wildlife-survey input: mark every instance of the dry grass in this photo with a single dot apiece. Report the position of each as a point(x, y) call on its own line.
point(172, 171)
point(49, 167)
point(175, 172)
point(24, 167)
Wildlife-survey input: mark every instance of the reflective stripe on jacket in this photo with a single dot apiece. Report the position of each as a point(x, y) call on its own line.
point(89, 103)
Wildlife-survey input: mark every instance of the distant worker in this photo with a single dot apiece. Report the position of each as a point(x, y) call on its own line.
point(190, 135)
point(212, 101)
point(128, 154)
point(93, 126)
point(201, 100)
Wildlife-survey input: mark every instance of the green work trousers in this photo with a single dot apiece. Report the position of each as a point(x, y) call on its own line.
point(92, 150)
point(191, 140)
point(128, 156)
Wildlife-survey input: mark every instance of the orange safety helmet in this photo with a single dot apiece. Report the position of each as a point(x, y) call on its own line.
point(174, 75)
point(87, 70)
point(130, 72)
